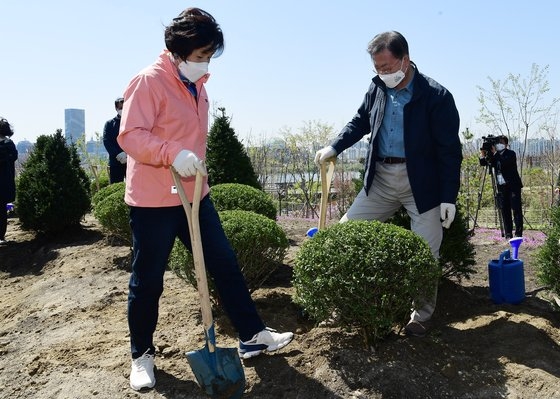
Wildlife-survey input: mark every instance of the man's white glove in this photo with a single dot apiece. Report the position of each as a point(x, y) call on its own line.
point(323, 154)
point(121, 157)
point(186, 163)
point(447, 214)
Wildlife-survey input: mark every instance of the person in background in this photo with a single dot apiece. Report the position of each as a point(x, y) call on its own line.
point(165, 125)
point(414, 155)
point(117, 157)
point(508, 181)
point(8, 158)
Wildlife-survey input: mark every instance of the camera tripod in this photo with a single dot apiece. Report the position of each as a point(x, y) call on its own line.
point(498, 200)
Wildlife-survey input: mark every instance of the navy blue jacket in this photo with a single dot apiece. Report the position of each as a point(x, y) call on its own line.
point(8, 157)
point(431, 139)
point(110, 133)
point(506, 164)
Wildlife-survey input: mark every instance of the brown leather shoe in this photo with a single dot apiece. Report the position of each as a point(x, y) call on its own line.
point(416, 328)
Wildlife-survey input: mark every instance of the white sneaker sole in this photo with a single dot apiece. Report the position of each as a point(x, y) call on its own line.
point(145, 386)
point(248, 355)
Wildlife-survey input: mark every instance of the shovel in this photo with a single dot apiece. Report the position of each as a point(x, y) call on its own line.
point(326, 178)
point(218, 371)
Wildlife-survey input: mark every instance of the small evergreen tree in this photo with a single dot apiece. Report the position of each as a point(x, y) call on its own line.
point(548, 255)
point(227, 160)
point(53, 189)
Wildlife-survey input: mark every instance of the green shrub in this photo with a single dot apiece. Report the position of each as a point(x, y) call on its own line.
point(548, 255)
point(112, 212)
point(259, 244)
point(102, 181)
point(456, 253)
point(367, 273)
point(53, 189)
point(104, 192)
point(227, 160)
point(234, 196)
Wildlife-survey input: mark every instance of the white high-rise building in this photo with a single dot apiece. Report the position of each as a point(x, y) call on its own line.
point(74, 124)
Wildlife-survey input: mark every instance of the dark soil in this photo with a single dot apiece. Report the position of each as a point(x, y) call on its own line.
point(64, 332)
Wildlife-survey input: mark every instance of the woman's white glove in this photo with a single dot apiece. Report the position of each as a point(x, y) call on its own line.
point(186, 163)
point(447, 214)
point(323, 154)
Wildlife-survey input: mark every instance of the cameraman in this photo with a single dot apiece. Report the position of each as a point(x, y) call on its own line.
point(504, 162)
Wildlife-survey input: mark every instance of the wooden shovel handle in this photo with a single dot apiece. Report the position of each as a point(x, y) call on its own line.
point(326, 178)
point(198, 253)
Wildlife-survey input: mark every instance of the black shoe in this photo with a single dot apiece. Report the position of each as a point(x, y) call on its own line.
point(508, 236)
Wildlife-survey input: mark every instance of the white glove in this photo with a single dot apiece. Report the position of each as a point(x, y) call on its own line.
point(186, 163)
point(447, 214)
point(323, 154)
point(121, 157)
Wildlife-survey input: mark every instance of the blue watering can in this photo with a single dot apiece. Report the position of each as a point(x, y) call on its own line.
point(506, 279)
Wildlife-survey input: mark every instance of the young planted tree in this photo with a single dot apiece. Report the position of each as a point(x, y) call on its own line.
point(300, 164)
point(226, 158)
point(517, 107)
point(53, 189)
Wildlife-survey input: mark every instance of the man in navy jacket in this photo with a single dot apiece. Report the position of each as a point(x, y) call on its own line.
point(117, 157)
point(414, 155)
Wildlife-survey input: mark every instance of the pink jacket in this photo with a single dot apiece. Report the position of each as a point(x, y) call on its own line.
point(160, 118)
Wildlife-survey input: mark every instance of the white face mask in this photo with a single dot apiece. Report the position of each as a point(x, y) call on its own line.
point(500, 147)
point(392, 80)
point(193, 70)
point(119, 112)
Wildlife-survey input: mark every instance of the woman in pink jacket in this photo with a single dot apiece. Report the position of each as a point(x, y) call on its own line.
point(165, 124)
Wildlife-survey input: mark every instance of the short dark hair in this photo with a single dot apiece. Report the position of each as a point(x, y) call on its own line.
point(504, 138)
point(119, 100)
point(392, 41)
point(194, 29)
point(5, 128)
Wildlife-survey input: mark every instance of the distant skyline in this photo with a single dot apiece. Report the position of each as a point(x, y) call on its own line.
point(285, 63)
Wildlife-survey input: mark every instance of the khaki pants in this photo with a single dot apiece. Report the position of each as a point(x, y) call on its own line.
point(390, 190)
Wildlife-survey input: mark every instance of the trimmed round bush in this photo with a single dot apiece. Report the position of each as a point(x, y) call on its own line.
point(107, 190)
point(456, 253)
point(234, 196)
point(102, 181)
point(367, 273)
point(112, 212)
point(259, 244)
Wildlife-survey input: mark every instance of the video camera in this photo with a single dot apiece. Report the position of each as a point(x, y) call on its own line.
point(488, 142)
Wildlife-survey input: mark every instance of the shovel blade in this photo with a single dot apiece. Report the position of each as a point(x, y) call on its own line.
point(219, 373)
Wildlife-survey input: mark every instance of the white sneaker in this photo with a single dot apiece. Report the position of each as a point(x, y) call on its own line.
point(268, 340)
point(142, 372)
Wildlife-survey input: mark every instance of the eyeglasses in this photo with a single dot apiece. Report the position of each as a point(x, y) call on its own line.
point(388, 70)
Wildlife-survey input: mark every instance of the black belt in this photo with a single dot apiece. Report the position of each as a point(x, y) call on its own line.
point(391, 160)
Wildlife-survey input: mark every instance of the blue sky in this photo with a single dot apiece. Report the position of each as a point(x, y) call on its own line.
point(285, 62)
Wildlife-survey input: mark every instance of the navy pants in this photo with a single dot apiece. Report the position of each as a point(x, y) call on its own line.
point(511, 201)
point(117, 172)
point(3, 219)
point(153, 233)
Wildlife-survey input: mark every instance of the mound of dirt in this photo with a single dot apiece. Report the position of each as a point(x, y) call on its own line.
point(64, 332)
